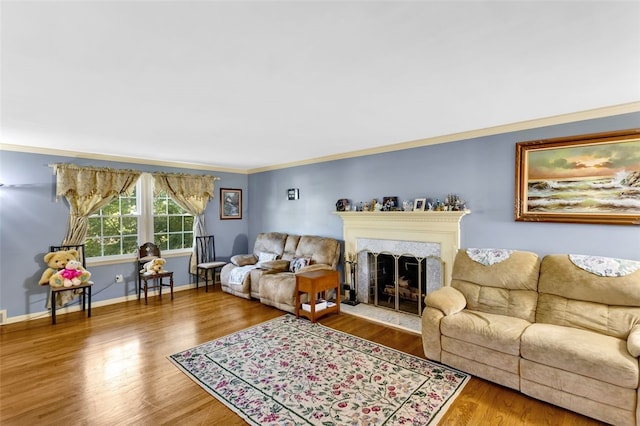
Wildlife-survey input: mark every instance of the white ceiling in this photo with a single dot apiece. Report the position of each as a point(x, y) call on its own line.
point(246, 85)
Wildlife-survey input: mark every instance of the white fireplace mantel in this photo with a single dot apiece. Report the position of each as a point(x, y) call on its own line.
point(428, 226)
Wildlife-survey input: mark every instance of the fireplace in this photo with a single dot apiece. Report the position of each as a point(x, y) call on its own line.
point(409, 253)
point(400, 281)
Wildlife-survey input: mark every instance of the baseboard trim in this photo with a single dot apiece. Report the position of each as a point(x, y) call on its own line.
point(4, 320)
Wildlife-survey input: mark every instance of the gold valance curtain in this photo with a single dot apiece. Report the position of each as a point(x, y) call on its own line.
point(87, 189)
point(192, 193)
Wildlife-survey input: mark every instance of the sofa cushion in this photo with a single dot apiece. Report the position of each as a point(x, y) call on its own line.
point(275, 266)
point(603, 401)
point(269, 242)
point(498, 332)
point(571, 296)
point(290, 247)
point(583, 352)
point(298, 263)
point(505, 288)
point(518, 272)
point(243, 259)
point(319, 249)
point(279, 290)
point(482, 355)
point(615, 321)
point(561, 277)
point(266, 257)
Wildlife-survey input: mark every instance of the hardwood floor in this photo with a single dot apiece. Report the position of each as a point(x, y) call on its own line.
point(112, 368)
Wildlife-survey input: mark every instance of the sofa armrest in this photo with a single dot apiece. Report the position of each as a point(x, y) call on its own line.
point(243, 259)
point(446, 299)
point(633, 341)
point(275, 266)
point(315, 267)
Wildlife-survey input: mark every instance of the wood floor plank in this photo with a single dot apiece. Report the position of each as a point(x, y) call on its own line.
point(113, 368)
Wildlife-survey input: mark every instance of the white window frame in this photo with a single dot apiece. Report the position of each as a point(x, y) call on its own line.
point(145, 199)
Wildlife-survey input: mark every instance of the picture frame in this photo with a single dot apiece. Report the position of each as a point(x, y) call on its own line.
point(230, 203)
point(390, 203)
point(593, 178)
point(419, 204)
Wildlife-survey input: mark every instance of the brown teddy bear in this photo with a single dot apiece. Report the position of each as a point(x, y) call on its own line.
point(155, 266)
point(56, 260)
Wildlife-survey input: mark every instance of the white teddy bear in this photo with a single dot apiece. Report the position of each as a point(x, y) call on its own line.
point(154, 266)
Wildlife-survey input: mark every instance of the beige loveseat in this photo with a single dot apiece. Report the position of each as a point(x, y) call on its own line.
point(551, 329)
point(273, 281)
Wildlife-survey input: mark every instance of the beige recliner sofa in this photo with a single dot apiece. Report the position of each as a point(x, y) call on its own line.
point(556, 331)
point(273, 281)
point(268, 242)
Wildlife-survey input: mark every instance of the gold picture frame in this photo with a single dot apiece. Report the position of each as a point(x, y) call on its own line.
point(592, 178)
point(230, 203)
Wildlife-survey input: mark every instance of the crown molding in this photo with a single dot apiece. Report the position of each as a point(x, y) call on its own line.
point(121, 159)
point(455, 137)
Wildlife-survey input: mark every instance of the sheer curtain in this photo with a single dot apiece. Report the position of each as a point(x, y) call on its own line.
point(192, 193)
point(87, 189)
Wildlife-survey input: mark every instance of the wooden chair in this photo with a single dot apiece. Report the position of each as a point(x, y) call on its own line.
point(84, 288)
point(147, 252)
point(206, 260)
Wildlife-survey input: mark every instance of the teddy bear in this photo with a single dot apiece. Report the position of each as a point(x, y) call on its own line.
point(73, 274)
point(155, 266)
point(56, 260)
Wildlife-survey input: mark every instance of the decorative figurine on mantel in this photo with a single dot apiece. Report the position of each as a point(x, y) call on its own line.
point(453, 203)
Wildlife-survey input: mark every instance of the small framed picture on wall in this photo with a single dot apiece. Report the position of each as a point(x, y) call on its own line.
point(230, 203)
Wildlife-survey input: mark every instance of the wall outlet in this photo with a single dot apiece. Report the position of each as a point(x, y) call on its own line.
point(3, 316)
point(119, 278)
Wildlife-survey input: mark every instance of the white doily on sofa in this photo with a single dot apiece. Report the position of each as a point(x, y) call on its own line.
point(605, 266)
point(488, 256)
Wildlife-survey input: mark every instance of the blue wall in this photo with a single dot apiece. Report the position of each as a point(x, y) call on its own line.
point(481, 170)
point(31, 220)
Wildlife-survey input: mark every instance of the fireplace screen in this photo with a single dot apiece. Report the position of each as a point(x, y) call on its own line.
point(400, 282)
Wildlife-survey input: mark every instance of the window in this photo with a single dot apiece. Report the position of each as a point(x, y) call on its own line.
point(113, 230)
point(128, 221)
point(172, 225)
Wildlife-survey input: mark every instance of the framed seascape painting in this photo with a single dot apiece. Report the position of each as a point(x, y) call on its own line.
point(230, 203)
point(582, 179)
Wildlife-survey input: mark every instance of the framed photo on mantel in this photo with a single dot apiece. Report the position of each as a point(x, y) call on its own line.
point(591, 178)
point(230, 203)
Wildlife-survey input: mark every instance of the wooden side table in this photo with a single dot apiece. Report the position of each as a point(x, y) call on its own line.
point(315, 282)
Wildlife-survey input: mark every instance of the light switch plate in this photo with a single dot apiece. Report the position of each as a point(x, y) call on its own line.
point(293, 193)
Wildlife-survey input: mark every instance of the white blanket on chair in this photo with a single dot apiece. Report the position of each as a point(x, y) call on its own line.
point(238, 274)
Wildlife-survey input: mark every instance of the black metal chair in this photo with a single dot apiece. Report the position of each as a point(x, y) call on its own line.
point(84, 288)
point(206, 260)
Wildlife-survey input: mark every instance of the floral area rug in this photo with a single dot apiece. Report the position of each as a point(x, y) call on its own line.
point(292, 372)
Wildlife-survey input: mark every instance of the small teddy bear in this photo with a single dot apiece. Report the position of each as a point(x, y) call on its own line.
point(155, 266)
point(72, 275)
